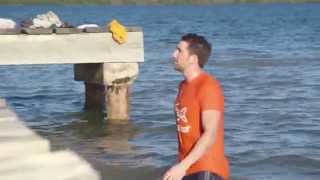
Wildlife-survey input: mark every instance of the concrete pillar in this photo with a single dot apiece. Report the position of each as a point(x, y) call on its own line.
point(118, 102)
point(95, 96)
point(107, 86)
point(118, 77)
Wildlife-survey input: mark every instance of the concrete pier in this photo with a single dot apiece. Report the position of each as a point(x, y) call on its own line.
point(26, 155)
point(69, 48)
point(106, 67)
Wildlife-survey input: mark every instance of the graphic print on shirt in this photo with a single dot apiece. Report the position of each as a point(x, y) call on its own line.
point(182, 121)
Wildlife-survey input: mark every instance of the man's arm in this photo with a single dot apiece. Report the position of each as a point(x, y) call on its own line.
point(210, 120)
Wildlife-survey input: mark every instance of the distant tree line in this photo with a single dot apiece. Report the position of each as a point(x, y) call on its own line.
point(149, 1)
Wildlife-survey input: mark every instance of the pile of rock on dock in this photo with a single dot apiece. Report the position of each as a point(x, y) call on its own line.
point(47, 23)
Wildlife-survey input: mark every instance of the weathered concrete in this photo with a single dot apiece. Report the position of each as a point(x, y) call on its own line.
point(95, 97)
point(22, 146)
point(99, 61)
point(69, 48)
point(64, 165)
point(7, 114)
point(26, 155)
point(106, 73)
point(117, 77)
point(89, 72)
point(37, 31)
point(67, 30)
point(14, 128)
point(118, 103)
point(115, 74)
point(16, 139)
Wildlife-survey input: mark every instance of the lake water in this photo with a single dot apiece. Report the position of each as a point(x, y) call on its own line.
point(267, 58)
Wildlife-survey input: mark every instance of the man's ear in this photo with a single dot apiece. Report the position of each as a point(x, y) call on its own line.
point(194, 59)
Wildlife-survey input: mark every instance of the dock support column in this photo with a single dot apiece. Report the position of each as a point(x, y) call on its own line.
point(107, 86)
point(95, 96)
point(118, 77)
point(118, 102)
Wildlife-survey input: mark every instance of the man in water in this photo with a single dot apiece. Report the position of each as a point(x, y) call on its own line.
point(199, 110)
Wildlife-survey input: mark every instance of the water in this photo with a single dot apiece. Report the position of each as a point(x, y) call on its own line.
point(267, 58)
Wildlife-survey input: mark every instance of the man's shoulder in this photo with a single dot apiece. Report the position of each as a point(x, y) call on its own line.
point(209, 85)
point(209, 80)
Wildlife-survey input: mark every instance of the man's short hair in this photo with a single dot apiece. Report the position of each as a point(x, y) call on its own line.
point(199, 46)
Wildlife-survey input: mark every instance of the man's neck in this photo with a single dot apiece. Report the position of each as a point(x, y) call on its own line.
point(191, 73)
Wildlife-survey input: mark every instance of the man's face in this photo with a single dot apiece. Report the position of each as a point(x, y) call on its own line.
point(181, 56)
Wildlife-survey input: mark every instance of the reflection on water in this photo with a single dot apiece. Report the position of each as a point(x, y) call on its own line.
point(117, 137)
point(112, 139)
point(91, 129)
point(106, 144)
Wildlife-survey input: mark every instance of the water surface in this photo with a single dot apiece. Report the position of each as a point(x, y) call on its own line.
point(267, 58)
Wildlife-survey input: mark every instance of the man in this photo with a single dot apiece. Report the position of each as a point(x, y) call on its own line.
point(199, 116)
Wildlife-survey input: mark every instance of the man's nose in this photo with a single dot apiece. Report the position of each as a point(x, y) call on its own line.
point(174, 54)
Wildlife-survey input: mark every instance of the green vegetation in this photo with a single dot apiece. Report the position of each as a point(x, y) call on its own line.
point(149, 1)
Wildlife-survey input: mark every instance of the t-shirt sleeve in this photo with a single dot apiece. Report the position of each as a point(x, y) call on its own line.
point(211, 97)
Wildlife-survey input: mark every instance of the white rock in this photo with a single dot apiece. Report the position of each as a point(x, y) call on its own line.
point(46, 20)
point(82, 26)
point(7, 24)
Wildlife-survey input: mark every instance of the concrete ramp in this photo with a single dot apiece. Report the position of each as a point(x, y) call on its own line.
point(26, 155)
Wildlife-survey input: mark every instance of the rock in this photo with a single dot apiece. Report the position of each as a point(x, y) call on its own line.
point(46, 20)
point(83, 26)
point(26, 23)
point(7, 24)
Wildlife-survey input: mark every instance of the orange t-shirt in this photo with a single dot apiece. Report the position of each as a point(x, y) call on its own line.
point(202, 93)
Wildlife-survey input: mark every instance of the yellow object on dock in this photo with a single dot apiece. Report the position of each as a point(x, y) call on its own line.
point(119, 32)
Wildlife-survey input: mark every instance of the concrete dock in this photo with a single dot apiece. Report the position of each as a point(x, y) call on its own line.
point(26, 155)
point(107, 68)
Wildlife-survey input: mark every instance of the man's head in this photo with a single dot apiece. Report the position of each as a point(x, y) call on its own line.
point(191, 50)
